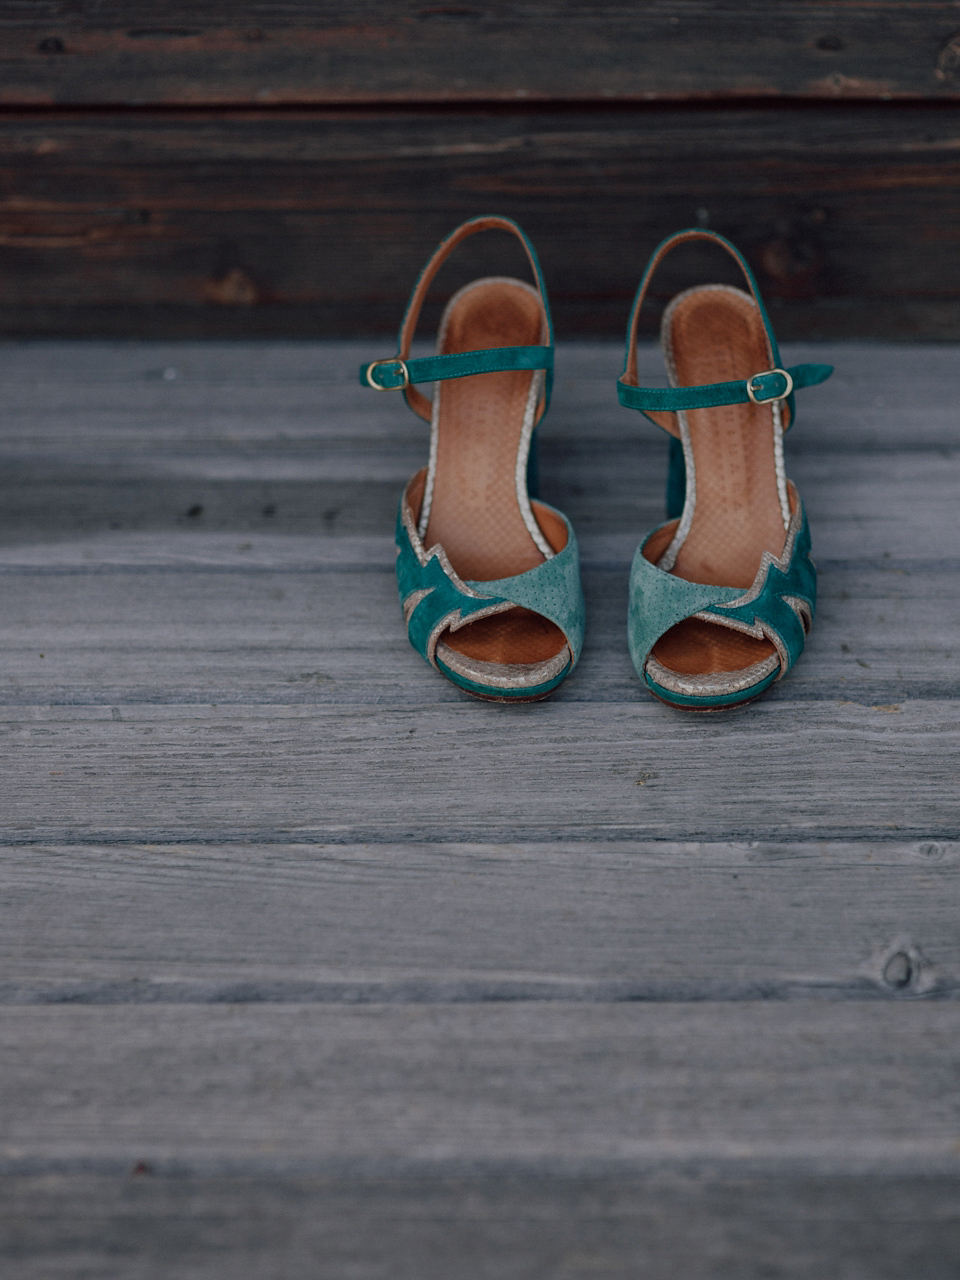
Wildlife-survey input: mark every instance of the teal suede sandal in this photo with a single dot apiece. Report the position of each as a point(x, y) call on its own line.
point(723, 595)
point(489, 578)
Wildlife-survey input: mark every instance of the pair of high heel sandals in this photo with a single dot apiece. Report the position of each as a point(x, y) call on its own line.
point(722, 596)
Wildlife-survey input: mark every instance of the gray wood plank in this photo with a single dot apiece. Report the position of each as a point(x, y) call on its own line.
point(455, 923)
point(138, 1226)
point(179, 396)
point(107, 444)
point(893, 504)
point(571, 1057)
point(776, 770)
point(207, 621)
point(795, 1087)
point(188, 551)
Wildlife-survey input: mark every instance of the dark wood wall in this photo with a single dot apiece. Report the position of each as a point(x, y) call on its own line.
point(211, 169)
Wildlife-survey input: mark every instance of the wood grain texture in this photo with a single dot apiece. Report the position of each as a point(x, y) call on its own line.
point(148, 398)
point(447, 924)
point(795, 1086)
point(661, 1225)
point(898, 505)
point(316, 223)
point(357, 773)
point(437, 987)
point(214, 523)
point(370, 50)
point(284, 440)
point(237, 629)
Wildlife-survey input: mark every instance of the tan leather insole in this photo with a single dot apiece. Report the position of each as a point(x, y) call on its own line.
point(475, 514)
point(717, 335)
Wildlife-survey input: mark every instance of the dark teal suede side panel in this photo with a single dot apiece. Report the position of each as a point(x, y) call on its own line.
point(676, 480)
point(442, 599)
point(770, 608)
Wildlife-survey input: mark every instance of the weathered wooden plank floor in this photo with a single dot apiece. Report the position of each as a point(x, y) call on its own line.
point(311, 965)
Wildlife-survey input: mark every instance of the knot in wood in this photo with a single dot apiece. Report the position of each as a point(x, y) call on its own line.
point(898, 971)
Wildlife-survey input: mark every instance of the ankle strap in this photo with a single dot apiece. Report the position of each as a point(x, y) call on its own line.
point(399, 373)
point(763, 387)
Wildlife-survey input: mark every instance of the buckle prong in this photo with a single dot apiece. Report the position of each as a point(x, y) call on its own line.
point(395, 360)
point(769, 399)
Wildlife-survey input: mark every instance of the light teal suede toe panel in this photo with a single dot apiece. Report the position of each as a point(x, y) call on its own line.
point(552, 589)
point(658, 601)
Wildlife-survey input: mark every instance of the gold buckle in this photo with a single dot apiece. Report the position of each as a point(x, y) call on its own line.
point(770, 399)
point(376, 365)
